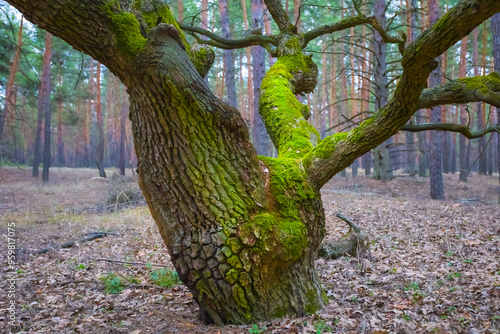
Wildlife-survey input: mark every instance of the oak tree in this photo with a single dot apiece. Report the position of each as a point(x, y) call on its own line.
point(243, 230)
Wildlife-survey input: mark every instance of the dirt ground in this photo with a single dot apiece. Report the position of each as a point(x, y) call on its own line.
point(435, 266)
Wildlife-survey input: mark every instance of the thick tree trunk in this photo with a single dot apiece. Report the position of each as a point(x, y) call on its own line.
point(436, 153)
point(12, 77)
point(245, 254)
point(44, 97)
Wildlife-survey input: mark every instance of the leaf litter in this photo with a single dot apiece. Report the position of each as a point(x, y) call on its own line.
point(435, 266)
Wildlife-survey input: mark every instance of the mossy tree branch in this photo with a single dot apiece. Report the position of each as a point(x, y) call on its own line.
point(337, 152)
point(464, 130)
point(475, 89)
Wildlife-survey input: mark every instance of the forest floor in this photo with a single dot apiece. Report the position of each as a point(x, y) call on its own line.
point(435, 265)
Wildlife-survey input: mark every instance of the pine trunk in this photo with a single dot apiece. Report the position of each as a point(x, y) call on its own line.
point(260, 137)
point(495, 33)
point(463, 113)
point(44, 98)
point(12, 77)
point(436, 153)
point(99, 151)
point(228, 55)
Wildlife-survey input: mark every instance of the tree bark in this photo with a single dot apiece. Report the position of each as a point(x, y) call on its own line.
point(495, 34)
point(381, 160)
point(12, 77)
point(436, 153)
point(44, 100)
point(228, 56)
point(99, 150)
point(260, 137)
point(463, 113)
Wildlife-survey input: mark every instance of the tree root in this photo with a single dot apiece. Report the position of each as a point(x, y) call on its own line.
point(354, 243)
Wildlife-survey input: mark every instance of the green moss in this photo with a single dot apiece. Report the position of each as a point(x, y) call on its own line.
point(313, 305)
point(280, 312)
point(232, 276)
point(234, 261)
point(129, 38)
point(283, 113)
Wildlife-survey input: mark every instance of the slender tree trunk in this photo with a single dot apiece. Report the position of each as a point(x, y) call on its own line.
point(60, 142)
point(411, 163)
point(481, 111)
point(12, 77)
point(44, 98)
point(180, 8)
point(382, 162)
point(260, 137)
point(99, 151)
point(436, 154)
point(229, 71)
point(495, 33)
point(354, 103)
point(444, 114)
point(248, 53)
point(343, 105)
point(463, 113)
point(123, 118)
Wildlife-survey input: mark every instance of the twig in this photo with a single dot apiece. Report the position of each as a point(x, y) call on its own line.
point(135, 263)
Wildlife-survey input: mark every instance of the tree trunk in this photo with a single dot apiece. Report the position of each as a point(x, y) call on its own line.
point(495, 34)
point(228, 55)
point(436, 154)
point(123, 118)
point(60, 143)
point(12, 77)
point(99, 151)
point(481, 111)
point(260, 138)
point(381, 159)
point(463, 113)
point(44, 97)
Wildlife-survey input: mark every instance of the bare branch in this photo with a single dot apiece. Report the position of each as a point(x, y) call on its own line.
point(223, 43)
point(349, 22)
point(463, 129)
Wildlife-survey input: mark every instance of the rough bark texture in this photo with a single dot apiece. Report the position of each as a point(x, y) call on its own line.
point(242, 232)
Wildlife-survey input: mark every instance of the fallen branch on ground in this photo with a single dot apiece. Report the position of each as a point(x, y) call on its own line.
point(354, 243)
point(89, 237)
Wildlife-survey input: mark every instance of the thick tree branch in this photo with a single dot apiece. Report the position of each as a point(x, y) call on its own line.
point(223, 43)
point(464, 130)
point(280, 16)
point(337, 152)
point(476, 89)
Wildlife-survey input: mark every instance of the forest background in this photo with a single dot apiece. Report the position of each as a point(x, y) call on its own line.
point(79, 117)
